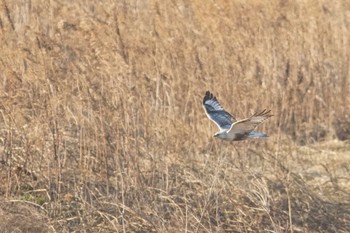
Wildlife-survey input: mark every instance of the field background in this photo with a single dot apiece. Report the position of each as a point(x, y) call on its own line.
point(102, 128)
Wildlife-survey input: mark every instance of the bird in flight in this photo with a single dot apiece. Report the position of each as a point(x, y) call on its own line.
point(230, 128)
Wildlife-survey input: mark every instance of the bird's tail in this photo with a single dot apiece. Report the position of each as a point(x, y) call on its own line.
point(256, 135)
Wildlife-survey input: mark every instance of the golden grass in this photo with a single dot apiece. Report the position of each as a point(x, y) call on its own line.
point(102, 129)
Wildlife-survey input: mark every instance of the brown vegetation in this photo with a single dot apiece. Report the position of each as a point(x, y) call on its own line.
point(102, 129)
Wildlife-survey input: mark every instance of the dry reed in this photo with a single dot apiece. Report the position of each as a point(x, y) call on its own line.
point(102, 129)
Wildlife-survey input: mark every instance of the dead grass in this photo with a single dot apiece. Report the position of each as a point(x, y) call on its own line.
point(102, 129)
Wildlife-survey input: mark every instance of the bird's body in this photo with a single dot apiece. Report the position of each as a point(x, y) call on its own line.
point(230, 128)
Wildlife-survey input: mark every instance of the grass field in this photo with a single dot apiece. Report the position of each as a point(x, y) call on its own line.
point(102, 128)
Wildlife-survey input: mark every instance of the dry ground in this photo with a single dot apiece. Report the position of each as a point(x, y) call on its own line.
point(102, 129)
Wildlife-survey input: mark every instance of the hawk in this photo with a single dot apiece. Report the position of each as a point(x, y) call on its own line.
point(230, 128)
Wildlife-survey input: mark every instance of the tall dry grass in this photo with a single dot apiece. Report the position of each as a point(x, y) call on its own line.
point(102, 128)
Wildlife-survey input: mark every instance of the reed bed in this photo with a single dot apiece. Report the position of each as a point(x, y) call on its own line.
point(102, 128)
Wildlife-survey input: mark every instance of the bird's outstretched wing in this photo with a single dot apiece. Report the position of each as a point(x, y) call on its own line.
point(216, 113)
point(244, 127)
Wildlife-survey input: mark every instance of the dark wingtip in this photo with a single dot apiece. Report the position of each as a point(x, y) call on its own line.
point(265, 112)
point(208, 96)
